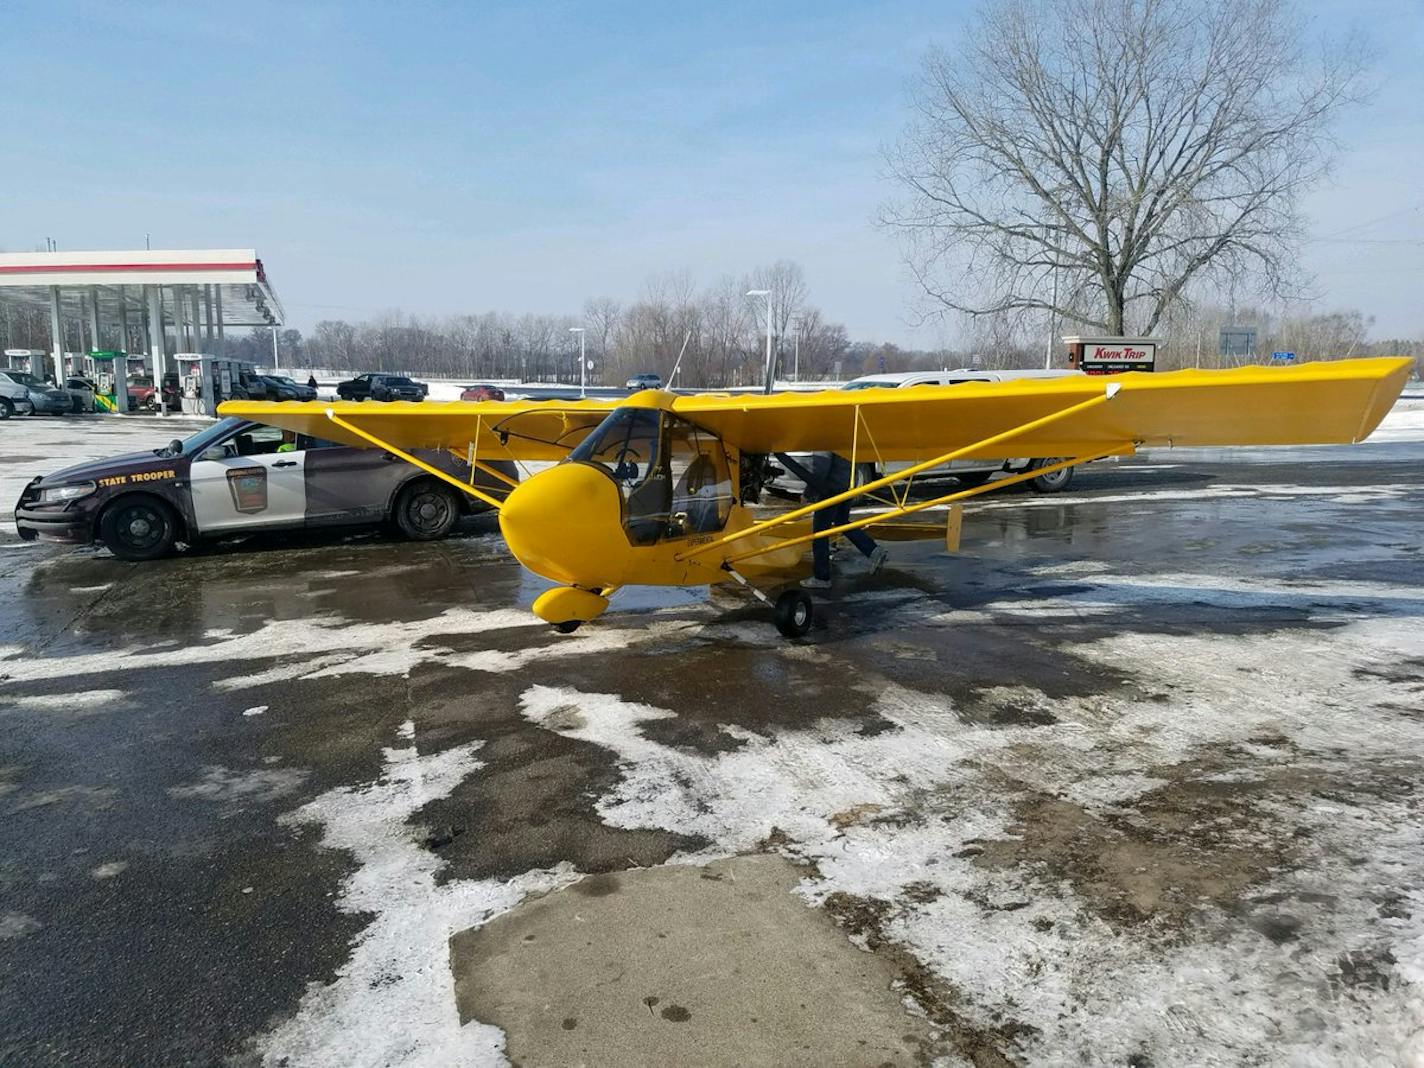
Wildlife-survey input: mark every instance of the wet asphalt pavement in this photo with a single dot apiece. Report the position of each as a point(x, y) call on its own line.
point(160, 722)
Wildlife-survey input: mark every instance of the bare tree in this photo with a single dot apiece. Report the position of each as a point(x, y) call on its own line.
point(601, 316)
point(1116, 151)
point(787, 285)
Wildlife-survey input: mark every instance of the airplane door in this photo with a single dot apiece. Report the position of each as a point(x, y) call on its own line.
point(245, 483)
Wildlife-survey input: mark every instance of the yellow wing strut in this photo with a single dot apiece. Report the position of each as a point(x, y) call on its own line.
point(959, 495)
point(478, 494)
point(856, 491)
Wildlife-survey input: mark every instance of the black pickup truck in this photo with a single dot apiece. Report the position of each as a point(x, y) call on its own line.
point(381, 387)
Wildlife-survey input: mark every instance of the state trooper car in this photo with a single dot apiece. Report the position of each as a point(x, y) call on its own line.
point(239, 477)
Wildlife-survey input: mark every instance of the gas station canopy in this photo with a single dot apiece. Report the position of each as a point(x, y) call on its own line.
point(232, 280)
point(197, 293)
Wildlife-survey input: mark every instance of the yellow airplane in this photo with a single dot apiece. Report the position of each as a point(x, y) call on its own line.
point(655, 489)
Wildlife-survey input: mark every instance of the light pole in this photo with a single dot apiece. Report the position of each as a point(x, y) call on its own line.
point(1052, 319)
point(796, 349)
point(583, 363)
point(770, 366)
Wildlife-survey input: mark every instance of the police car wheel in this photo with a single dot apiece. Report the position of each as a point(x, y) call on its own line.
point(138, 528)
point(1054, 481)
point(426, 511)
point(6, 408)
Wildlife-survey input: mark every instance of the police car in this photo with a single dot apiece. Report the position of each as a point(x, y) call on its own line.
point(239, 477)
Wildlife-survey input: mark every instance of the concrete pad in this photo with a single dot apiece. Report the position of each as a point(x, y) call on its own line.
point(721, 965)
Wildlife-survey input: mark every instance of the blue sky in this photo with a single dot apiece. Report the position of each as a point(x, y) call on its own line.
point(447, 158)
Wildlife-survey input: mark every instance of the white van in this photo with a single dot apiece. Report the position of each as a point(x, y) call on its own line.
point(971, 472)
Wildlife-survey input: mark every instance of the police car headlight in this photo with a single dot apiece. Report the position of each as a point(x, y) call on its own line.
point(66, 493)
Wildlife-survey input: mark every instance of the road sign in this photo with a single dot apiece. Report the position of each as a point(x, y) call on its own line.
point(1283, 357)
point(1237, 341)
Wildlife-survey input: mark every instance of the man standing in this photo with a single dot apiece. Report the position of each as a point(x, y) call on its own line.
point(830, 475)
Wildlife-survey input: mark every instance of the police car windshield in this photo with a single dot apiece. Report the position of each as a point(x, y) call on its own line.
point(24, 378)
point(201, 440)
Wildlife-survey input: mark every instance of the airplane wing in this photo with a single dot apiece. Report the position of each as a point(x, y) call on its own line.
point(1336, 402)
point(499, 430)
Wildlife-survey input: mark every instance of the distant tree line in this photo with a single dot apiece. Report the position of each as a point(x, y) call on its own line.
point(715, 337)
point(725, 336)
point(1190, 333)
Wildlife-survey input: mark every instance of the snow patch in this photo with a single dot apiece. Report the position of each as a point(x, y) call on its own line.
point(227, 786)
point(17, 925)
point(393, 1001)
point(903, 810)
point(78, 701)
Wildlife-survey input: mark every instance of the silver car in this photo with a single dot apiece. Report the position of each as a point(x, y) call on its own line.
point(44, 398)
point(14, 399)
point(81, 393)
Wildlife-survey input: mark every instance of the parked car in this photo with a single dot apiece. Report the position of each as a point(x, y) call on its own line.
point(141, 392)
point(481, 393)
point(645, 381)
point(381, 387)
point(44, 398)
point(971, 472)
point(275, 388)
point(14, 398)
point(172, 391)
point(239, 477)
point(81, 393)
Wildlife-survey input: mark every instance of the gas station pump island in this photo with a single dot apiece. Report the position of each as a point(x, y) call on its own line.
point(159, 312)
point(206, 381)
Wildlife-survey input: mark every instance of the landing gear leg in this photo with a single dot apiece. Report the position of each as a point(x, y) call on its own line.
point(792, 610)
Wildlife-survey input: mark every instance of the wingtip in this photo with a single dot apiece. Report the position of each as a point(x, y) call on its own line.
point(1114, 388)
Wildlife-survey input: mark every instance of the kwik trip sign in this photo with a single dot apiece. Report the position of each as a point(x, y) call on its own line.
point(1112, 355)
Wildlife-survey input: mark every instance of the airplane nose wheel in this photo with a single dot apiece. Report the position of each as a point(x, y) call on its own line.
point(793, 613)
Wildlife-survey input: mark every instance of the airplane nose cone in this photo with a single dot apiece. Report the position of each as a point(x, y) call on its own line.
point(565, 523)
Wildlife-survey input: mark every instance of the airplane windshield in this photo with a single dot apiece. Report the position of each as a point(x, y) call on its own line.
point(674, 477)
point(625, 444)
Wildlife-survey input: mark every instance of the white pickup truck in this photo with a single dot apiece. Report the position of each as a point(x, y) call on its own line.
point(971, 472)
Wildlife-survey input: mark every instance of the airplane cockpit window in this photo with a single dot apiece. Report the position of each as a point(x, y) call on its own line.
point(625, 444)
point(675, 478)
point(701, 478)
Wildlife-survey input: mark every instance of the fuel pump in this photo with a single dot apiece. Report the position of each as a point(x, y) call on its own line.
point(196, 383)
point(119, 387)
point(31, 360)
point(109, 372)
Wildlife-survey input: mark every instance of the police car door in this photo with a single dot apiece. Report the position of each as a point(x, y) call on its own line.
point(244, 482)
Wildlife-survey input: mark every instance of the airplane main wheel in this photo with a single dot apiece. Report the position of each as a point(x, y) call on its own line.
point(568, 626)
point(793, 613)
